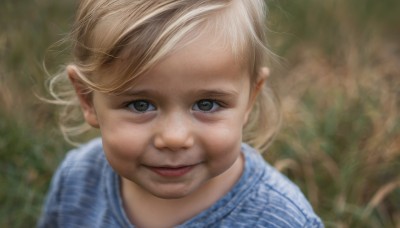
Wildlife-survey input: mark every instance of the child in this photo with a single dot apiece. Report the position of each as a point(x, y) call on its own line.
point(175, 87)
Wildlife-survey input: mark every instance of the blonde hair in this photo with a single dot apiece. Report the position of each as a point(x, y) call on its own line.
point(107, 33)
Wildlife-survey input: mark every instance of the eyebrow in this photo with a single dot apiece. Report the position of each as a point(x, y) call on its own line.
point(216, 92)
point(145, 92)
point(202, 93)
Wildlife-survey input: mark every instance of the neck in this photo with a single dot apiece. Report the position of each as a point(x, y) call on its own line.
point(142, 207)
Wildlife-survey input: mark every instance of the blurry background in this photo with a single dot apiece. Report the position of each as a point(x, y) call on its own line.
point(338, 79)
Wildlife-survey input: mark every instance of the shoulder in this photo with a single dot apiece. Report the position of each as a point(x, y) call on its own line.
point(85, 155)
point(275, 199)
point(78, 188)
point(278, 197)
point(81, 169)
point(82, 164)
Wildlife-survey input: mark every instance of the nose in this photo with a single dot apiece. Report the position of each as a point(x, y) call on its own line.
point(174, 133)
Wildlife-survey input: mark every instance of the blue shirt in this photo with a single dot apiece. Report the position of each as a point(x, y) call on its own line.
point(85, 193)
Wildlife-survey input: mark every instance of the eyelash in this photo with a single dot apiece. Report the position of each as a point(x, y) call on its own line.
point(216, 105)
point(131, 106)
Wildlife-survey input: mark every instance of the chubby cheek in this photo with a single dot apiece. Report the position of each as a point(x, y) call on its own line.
point(123, 148)
point(223, 147)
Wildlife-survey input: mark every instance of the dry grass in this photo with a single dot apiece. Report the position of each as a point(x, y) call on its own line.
point(341, 138)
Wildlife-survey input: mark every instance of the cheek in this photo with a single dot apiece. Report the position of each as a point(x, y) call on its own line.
point(227, 133)
point(223, 146)
point(123, 145)
point(224, 137)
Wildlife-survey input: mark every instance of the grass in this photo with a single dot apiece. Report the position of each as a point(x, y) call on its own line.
point(338, 81)
point(340, 97)
point(30, 145)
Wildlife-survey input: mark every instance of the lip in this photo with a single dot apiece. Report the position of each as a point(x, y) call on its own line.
point(178, 171)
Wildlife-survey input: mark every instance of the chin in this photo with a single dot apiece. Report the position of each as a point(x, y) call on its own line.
point(173, 191)
point(172, 194)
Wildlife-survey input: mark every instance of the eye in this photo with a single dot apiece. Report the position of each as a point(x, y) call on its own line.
point(141, 106)
point(206, 106)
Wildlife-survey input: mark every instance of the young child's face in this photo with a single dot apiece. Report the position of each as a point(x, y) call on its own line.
point(180, 125)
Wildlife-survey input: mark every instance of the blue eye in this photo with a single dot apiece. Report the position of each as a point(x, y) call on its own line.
point(141, 106)
point(206, 106)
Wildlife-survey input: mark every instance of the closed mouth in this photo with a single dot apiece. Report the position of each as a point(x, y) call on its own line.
point(171, 171)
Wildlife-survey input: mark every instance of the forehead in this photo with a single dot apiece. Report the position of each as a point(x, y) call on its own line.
point(195, 69)
point(197, 59)
point(199, 52)
point(200, 56)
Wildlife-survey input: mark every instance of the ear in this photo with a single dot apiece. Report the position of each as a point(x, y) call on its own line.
point(85, 97)
point(263, 74)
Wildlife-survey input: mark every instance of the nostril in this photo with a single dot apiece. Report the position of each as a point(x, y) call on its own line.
point(174, 140)
point(174, 132)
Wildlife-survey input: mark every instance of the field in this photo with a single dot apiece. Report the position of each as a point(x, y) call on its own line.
point(337, 76)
